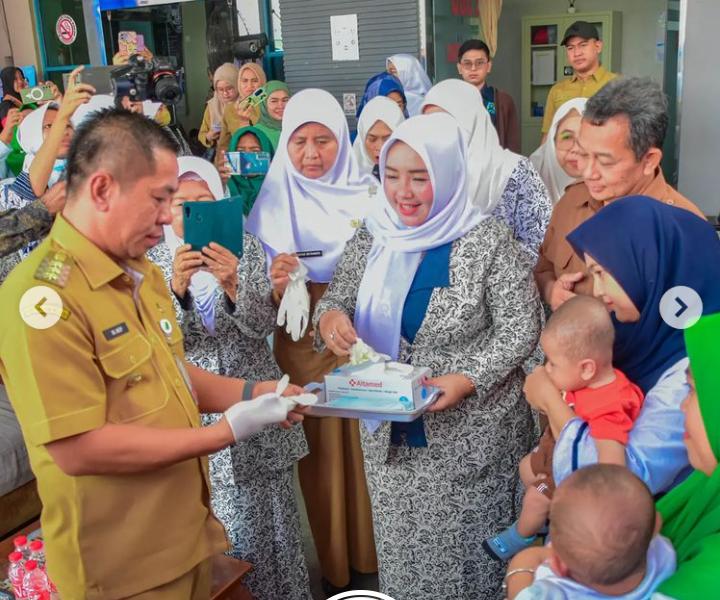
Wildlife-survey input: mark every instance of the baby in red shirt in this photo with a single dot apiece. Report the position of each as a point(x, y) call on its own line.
point(578, 345)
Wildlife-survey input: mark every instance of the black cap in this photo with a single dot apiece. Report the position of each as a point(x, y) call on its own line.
point(581, 29)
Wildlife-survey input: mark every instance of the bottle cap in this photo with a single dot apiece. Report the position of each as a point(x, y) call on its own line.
point(20, 541)
point(30, 565)
point(36, 546)
point(15, 557)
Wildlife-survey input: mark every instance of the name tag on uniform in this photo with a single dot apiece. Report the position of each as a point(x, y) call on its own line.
point(115, 331)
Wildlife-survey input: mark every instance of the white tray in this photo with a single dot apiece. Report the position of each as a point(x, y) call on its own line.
point(401, 416)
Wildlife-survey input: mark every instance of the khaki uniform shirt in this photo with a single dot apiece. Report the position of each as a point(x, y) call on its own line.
point(115, 355)
point(574, 87)
point(577, 206)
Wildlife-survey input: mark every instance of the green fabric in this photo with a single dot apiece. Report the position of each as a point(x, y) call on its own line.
point(269, 126)
point(16, 158)
point(691, 512)
point(248, 187)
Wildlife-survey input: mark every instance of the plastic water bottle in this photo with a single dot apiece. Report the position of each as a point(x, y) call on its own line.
point(37, 553)
point(16, 574)
point(35, 582)
point(21, 545)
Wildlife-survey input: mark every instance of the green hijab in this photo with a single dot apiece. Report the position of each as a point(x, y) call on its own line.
point(691, 512)
point(268, 125)
point(248, 187)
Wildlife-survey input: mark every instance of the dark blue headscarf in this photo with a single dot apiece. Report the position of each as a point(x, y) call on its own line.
point(649, 247)
point(381, 84)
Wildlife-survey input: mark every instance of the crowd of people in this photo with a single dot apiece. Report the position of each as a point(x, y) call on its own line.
point(569, 411)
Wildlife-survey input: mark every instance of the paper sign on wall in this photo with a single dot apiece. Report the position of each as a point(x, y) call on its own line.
point(349, 103)
point(344, 37)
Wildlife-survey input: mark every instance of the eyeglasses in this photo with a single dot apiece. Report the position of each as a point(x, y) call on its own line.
point(473, 64)
point(565, 141)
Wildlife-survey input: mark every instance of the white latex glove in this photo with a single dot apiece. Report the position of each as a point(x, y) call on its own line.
point(295, 304)
point(361, 353)
point(247, 417)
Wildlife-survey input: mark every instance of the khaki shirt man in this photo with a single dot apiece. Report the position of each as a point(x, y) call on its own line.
point(616, 160)
point(583, 45)
point(577, 206)
point(92, 359)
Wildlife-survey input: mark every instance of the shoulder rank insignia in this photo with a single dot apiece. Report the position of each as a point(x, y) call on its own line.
point(55, 268)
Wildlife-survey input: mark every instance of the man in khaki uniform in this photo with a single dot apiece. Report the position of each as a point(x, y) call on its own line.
point(619, 149)
point(583, 45)
point(93, 362)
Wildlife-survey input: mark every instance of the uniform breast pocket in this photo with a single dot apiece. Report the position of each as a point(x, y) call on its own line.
point(134, 386)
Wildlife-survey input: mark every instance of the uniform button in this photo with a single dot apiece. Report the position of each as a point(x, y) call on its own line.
point(126, 279)
point(178, 382)
point(134, 379)
point(671, 202)
point(133, 360)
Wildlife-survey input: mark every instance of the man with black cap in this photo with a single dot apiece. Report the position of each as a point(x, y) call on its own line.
point(583, 46)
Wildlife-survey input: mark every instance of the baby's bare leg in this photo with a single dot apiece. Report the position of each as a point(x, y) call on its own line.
point(610, 452)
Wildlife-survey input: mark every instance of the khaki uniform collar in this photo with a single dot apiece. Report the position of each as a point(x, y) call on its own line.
point(96, 265)
point(597, 75)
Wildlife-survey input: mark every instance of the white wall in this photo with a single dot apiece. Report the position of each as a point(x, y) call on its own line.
point(699, 176)
point(21, 27)
point(639, 27)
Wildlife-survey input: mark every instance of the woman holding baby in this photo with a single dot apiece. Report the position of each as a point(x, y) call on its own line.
point(432, 281)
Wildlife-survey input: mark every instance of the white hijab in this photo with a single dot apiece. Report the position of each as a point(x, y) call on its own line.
point(203, 285)
point(414, 79)
point(293, 213)
point(489, 165)
point(545, 160)
point(30, 138)
point(397, 249)
point(96, 103)
point(379, 108)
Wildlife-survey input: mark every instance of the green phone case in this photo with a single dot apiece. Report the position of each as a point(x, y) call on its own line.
point(220, 221)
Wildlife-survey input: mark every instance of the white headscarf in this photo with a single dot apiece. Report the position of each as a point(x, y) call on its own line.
point(379, 108)
point(489, 165)
point(414, 79)
point(293, 213)
point(30, 138)
point(95, 104)
point(203, 285)
point(397, 249)
point(545, 160)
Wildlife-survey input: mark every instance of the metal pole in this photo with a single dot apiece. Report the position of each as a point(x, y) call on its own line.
point(94, 32)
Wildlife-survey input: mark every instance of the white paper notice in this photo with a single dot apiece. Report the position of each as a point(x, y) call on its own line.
point(344, 36)
point(543, 67)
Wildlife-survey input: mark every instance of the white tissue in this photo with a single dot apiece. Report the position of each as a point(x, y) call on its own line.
point(361, 353)
point(294, 310)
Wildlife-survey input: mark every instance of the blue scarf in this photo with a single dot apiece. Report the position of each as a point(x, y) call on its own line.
point(649, 247)
point(382, 84)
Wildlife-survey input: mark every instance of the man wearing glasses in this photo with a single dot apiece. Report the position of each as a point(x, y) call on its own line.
point(474, 65)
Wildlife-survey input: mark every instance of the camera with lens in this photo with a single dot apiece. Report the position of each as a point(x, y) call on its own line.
point(140, 80)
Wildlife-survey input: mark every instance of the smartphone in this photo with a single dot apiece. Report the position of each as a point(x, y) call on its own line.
point(249, 163)
point(220, 221)
point(39, 93)
point(127, 43)
point(256, 98)
point(98, 77)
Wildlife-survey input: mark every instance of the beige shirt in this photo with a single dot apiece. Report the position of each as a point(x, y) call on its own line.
point(577, 206)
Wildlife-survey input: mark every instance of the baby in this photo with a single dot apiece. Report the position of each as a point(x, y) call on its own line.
point(605, 544)
point(578, 345)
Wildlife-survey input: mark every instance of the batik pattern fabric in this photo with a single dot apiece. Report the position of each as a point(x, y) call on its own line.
point(252, 492)
point(433, 505)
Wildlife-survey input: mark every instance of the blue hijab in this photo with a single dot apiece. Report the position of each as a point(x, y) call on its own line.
point(650, 247)
point(381, 84)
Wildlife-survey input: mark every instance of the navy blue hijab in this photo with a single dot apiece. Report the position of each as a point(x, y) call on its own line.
point(649, 247)
point(381, 84)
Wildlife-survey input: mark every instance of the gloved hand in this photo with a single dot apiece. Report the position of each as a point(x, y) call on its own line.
point(247, 417)
point(295, 304)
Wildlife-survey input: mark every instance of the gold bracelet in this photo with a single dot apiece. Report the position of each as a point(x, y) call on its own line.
point(514, 572)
